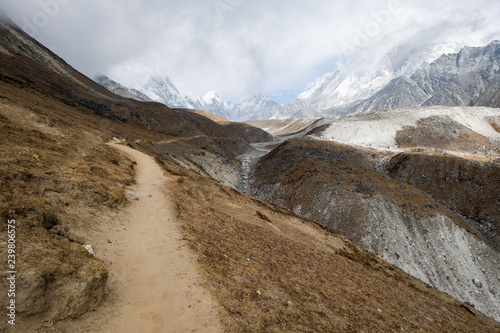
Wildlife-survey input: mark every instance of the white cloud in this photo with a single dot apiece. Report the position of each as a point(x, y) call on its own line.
point(242, 47)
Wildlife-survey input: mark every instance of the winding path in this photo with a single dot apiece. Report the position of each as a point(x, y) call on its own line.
point(155, 286)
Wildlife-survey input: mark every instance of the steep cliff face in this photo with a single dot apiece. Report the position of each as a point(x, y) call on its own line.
point(460, 79)
point(337, 186)
point(341, 91)
point(491, 96)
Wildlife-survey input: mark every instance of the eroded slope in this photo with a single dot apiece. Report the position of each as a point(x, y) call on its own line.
point(336, 185)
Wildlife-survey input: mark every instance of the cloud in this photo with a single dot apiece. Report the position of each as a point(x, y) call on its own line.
point(243, 47)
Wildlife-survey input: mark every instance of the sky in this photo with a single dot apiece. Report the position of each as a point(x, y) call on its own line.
point(243, 47)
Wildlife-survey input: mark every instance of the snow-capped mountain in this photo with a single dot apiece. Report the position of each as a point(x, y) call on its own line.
point(430, 74)
point(467, 78)
point(215, 104)
point(259, 107)
point(338, 92)
point(162, 89)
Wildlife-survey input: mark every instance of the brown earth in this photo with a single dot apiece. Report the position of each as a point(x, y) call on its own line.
point(284, 127)
point(211, 116)
point(495, 123)
point(154, 285)
point(29, 71)
point(301, 166)
point(250, 133)
point(50, 173)
point(57, 172)
point(345, 188)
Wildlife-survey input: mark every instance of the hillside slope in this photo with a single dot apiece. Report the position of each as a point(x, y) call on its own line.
point(338, 186)
point(57, 172)
point(120, 90)
point(30, 68)
point(273, 271)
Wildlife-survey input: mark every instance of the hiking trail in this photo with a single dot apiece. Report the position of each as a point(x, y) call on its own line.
point(154, 283)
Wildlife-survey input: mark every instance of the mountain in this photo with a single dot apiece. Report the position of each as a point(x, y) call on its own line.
point(339, 92)
point(467, 78)
point(460, 79)
point(213, 103)
point(399, 216)
point(120, 90)
point(57, 174)
point(257, 108)
point(163, 90)
point(431, 74)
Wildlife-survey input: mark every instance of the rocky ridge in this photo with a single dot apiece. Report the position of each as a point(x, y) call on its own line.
point(458, 79)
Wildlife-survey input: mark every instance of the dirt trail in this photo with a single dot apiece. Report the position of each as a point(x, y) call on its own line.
point(155, 286)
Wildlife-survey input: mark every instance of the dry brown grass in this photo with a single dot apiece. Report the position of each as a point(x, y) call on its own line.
point(283, 275)
point(54, 121)
point(46, 172)
point(304, 165)
point(274, 272)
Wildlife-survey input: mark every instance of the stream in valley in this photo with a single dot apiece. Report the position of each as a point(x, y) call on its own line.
point(248, 161)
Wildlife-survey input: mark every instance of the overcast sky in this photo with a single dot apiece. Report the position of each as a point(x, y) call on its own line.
point(243, 47)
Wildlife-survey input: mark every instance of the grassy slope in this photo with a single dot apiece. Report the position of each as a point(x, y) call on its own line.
point(304, 165)
point(50, 168)
point(274, 272)
point(56, 171)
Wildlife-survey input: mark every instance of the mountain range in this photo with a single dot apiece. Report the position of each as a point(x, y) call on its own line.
point(467, 78)
point(425, 75)
point(407, 77)
point(162, 89)
point(338, 92)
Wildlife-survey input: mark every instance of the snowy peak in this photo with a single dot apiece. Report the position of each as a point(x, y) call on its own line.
point(406, 76)
point(259, 101)
point(259, 107)
point(338, 92)
point(467, 78)
point(162, 89)
point(212, 96)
